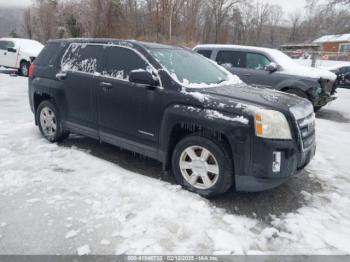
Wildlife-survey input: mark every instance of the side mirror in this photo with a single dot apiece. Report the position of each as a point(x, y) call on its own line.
point(272, 67)
point(142, 77)
point(227, 66)
point(12, 50)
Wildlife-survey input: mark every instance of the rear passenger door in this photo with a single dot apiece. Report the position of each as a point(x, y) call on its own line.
point(125, 110)
point(80, 65)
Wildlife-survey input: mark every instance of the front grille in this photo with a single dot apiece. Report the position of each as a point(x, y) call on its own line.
point(307, 131)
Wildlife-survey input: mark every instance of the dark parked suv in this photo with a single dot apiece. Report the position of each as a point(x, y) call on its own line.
point(171, 104)
point(270, 68)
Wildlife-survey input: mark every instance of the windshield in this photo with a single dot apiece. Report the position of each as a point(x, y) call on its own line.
point(189, 68)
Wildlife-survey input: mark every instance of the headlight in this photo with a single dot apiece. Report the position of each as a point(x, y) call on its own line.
point(271, 124)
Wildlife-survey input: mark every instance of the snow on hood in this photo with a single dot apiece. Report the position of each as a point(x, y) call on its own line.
point(289, 66)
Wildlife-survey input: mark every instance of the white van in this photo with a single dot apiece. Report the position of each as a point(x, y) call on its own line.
point(18, 53)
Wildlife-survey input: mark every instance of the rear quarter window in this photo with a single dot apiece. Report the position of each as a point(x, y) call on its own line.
point(206, 53)
point(49, 54)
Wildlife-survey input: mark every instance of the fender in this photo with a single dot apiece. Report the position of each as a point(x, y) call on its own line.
point(236, 128)
point(301, 84)
point(52, 88)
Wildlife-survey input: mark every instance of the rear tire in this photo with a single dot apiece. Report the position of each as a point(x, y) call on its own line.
point(202, 165)
point(49, 122)
point(24, 68)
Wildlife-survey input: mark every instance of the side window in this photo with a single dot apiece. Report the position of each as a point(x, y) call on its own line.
point(206, 53)
point(10, 44)
point(231, 58)
point(2, 45)
point(120, 61)
point(257, 61)
point(342, 70)
point(82, 57)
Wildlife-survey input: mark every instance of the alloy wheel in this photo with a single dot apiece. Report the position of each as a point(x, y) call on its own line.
point(199, 167)
point(48, 122)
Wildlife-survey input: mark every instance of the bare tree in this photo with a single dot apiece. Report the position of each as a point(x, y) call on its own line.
point(27, 24)
point(295, 23)
point(219, 13)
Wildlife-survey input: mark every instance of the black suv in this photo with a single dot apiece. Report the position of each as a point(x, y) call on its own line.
point(172, 104)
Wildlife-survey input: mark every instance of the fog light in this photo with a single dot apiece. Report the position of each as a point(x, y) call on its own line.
point(276, 163)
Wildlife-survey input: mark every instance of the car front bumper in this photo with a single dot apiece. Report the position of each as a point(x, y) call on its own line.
point(324, 99)
point(262, 176)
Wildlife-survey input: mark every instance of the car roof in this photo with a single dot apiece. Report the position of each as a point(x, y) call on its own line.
point(131, 43)
point(250, 48)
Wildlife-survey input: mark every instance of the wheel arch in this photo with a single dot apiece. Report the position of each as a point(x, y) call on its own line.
point(180, 121)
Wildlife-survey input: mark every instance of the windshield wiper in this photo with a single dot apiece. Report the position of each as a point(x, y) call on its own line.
point(220, 81)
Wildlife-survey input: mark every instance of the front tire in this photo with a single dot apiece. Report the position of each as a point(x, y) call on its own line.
point(49, 122)
point(202, 165)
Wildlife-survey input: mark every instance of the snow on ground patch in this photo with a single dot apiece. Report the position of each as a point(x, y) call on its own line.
point(142, 215)
point(83, 250)
point(72, 234)
point(105, 242)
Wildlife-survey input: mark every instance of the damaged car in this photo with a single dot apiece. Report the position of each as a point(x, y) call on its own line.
point(271, 68)
point(210, 130)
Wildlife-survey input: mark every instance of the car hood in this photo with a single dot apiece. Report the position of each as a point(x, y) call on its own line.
point(232, 96)
point(310, 72)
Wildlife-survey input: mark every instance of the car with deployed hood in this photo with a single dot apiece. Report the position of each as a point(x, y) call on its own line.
point(271, 68)
point(209, 129)
point(17, 53)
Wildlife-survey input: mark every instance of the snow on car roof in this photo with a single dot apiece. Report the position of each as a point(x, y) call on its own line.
point(29, 46)
point(333, 38)
point(214, 46)
point(21, 40)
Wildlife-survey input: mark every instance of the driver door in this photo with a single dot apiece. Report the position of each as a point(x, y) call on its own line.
point(126, 111)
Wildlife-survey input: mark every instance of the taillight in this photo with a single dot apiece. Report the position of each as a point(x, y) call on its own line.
point(31, 70)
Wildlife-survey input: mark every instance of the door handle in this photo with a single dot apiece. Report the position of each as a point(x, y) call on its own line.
point(247, 74)
point(106, 86)
point(5, 53)
point(61, 76)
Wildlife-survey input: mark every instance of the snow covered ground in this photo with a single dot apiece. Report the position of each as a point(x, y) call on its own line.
point(62, 199)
